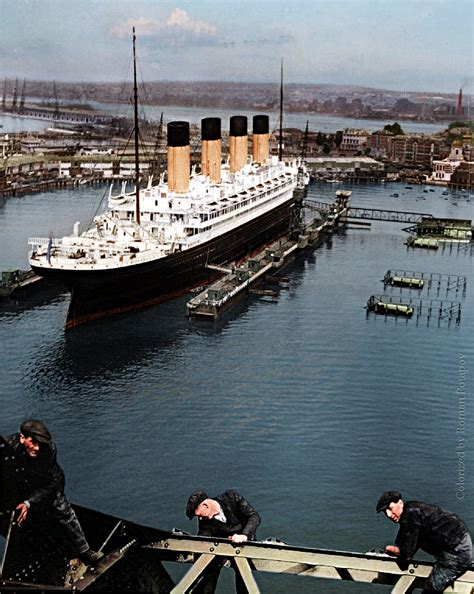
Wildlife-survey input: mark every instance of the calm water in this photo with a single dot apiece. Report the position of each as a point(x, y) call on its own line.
point(307, 406)
point(194, 115)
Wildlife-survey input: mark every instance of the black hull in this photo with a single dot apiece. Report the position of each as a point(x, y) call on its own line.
point(97, 294)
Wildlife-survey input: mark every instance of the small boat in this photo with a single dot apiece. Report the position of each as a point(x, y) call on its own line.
point(394, 195)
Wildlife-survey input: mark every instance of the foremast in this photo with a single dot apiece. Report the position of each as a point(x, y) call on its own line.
point(135, 106)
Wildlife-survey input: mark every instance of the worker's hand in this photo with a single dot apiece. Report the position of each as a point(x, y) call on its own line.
point(238, 538)
point(22, 513)
point(392, 550)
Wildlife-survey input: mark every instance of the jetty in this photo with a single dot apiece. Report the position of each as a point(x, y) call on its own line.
point(240, 281)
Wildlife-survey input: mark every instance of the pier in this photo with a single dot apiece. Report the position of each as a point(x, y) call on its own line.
point(240, 281)
point(21, 188)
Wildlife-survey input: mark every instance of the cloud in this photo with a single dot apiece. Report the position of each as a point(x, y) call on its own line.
point(178, 30)
point(180, 20)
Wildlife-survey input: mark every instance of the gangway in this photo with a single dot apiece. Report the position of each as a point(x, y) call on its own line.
point(374, 214)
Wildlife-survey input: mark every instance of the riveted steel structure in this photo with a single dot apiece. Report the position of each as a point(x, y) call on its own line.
point(134, 557)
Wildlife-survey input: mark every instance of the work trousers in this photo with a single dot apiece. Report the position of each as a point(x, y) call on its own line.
point(63, 513)
point(449, 566)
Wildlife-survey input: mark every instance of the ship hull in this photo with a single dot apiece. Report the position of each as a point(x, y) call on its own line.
point(103, 293)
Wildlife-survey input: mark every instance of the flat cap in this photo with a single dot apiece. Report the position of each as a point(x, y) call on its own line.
point(386, 499)
point(194, 502)
point(37, 430)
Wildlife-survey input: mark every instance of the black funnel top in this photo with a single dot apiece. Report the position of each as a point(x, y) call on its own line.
point(211, 129)
point(178, 134)
point(238, 126)
point(261, 124)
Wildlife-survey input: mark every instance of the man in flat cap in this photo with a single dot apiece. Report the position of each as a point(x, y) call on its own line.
point(226, 516)
point(39, 485)
point(438, 532)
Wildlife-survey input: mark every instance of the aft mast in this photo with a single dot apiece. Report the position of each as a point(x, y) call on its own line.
point(280, 148)
point(135, 103)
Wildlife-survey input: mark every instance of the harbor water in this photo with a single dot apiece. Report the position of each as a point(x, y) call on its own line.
point(194, 115)
point(309, 406)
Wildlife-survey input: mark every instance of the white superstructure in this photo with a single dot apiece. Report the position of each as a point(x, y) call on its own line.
point(169, 221)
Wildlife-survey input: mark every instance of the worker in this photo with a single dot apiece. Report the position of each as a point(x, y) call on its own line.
point(437, 532)
point(39, 484)
point(226, 516)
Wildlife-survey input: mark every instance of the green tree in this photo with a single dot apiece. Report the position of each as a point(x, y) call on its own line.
point(338, 138)
point(326, 148)
point(467, 124)
point(320, 139)
point(394, 128)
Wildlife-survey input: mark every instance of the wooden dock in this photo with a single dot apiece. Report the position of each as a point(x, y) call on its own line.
point(240, 281)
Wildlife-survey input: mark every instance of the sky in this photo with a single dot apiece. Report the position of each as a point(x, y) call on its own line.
point(413, 45)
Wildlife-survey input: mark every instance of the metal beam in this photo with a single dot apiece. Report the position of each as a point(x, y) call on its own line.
point(192, 575)
point(403, 584)
point(247, 575)
point(280, 558)
point(375, 214)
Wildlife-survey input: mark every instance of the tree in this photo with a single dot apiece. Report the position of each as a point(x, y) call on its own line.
point(394, 128)
point(338, 138)
point(320, 139)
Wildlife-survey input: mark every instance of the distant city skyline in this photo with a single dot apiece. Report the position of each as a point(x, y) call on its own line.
point(414, 45)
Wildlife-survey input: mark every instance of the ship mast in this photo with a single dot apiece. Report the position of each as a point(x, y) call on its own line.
point(137, 165)
point(280, 148)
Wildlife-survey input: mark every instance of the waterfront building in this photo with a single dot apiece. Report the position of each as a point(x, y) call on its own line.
point(445, 168)
point(354, 141)
point(339, 168)
point(379, 143)
point(415, 150)
point(463, 177)
point(455, 170)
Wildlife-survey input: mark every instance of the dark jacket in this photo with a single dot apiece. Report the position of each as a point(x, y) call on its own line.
point(39, 480)
point(240, 515)
point(429, 528)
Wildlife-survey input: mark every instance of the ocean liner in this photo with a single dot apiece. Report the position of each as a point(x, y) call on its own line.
point(155, 243)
